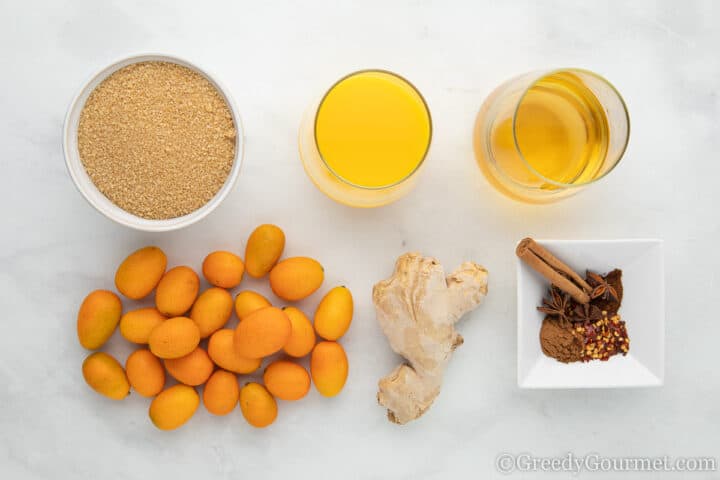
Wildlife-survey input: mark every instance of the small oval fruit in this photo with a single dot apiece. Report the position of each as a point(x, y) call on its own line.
point(193, 369)
point(257, 405)
point(223, 269)
point(302, 335)
point(174, 338)
point(221, 349)
point(264, 247)
point(286, 380)
point(177, 291)
point(329, 368)
point(145, 372)
point(248, 302)
point(106, 376)
point(221, 392)
point(262, 333)
point(334, 313)
point(97, 318)
point(212, 310)
point(173, 407)
point(296, 278)
point(140, 272)
point(136, 325)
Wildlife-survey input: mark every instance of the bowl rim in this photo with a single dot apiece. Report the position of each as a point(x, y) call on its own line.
point(111, 210)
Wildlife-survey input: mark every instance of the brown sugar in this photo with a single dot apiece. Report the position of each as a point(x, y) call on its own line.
point(157, 139)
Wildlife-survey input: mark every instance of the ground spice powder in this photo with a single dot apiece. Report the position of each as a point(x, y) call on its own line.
point(559, 340)
point(157, 139)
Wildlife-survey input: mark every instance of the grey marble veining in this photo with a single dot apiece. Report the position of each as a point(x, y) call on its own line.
point(275, 57)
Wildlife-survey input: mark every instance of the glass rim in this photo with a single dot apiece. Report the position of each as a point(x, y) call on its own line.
point(427, 112)
point(602, 79)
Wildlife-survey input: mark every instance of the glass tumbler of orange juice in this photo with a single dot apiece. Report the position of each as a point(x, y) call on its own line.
point(543, 136)
point(365, 140)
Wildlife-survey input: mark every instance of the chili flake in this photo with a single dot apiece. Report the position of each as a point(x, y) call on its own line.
point(604, 338)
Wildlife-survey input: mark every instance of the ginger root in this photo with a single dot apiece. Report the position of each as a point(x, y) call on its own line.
point(417, 309)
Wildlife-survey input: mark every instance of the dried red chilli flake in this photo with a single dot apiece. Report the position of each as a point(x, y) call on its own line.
point(604, 338)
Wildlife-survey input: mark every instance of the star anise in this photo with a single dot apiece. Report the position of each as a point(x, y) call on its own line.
point(557, 305)
point(586, 312)
point(601, 287)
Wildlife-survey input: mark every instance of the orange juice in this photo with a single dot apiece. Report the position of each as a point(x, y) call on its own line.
point(372, 129)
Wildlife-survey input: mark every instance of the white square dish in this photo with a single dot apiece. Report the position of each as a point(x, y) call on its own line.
point(643, 308)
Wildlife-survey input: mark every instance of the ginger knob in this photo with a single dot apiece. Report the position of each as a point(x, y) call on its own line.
point(417, 308)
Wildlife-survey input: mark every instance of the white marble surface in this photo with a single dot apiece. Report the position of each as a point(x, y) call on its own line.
point(275, 57)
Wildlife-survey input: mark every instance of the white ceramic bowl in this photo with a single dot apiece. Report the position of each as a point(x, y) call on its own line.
point(643, 308)
point(100, 201)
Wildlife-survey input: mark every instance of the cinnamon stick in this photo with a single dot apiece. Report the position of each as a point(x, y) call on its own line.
point(554, 270)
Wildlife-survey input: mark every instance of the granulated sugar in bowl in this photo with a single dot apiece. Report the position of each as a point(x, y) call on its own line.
point(153, 142)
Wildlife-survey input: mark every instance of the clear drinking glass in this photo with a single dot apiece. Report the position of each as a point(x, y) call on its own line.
point(545, 135)
point(365, 140)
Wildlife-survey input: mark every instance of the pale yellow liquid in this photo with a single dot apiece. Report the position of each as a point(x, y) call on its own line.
point(560, 131)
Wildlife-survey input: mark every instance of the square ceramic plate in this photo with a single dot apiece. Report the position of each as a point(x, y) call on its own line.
point(643, 308)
